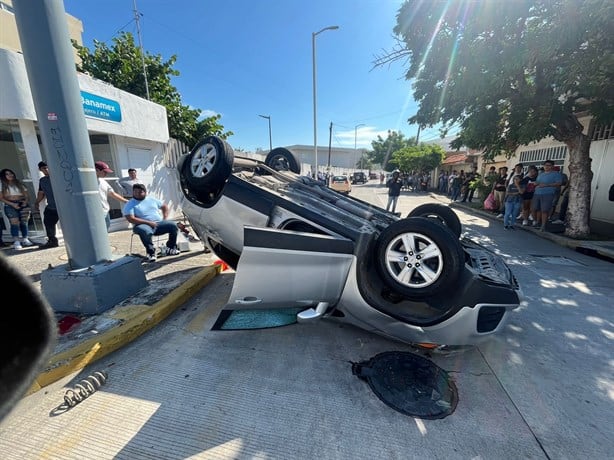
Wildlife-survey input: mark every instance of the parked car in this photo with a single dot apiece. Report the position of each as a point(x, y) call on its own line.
point(359, 177)
point(341, 184)
point(296, 243)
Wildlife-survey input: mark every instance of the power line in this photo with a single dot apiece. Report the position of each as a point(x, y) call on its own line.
point(121, 28)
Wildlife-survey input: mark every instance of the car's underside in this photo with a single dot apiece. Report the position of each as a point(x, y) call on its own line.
point(416, 271)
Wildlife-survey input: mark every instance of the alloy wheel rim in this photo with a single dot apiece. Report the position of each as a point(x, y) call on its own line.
point(203, 160)
point(414, 260)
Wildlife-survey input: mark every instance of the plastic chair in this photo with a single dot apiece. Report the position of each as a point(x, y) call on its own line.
point(157, 239)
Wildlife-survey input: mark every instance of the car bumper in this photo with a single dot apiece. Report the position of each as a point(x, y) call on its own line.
point(470, 325)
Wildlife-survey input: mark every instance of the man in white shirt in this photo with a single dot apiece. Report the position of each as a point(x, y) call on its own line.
point(106, 191)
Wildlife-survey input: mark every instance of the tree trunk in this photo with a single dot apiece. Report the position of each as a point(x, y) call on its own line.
point(580, 177)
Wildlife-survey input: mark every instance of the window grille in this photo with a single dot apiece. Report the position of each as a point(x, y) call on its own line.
point(602, 132)
point(538, 156)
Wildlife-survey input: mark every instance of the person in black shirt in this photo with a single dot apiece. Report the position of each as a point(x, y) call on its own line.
point(50, 215)
point(499, 190)
point(466, 187)
point(394, 185)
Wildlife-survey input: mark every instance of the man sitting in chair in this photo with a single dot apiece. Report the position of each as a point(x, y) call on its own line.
point(148, 216)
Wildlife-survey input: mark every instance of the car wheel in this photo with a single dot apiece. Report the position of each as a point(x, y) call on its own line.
point(282, 159)
point(418, 258)
point(443, 214)
point(208, 165)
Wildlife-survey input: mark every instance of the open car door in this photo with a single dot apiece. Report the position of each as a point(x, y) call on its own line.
point(289, 269)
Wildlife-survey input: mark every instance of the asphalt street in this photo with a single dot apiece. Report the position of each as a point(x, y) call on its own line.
point(543, 388)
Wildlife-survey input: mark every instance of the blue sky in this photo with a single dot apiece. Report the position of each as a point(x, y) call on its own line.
point(242, 58)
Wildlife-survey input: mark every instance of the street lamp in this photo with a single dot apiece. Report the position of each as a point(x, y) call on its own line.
point(268, 117)
point(313, 56)
point(355, 131)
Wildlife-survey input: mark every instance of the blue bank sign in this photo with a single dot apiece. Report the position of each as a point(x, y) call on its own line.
point(100, 107)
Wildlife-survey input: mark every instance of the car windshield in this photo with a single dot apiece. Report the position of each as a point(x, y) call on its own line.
point(339, 178)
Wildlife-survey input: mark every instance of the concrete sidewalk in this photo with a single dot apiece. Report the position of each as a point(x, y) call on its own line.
point(172, 280)
point(603, 249)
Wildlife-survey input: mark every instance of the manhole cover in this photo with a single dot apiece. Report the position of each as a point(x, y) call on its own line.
point(558, 260)
point(410, 384)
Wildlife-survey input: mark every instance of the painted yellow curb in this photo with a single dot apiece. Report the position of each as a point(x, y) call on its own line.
point(134, 320)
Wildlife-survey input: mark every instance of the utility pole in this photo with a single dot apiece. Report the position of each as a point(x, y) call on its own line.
point(93, 280)
point(315, 124)
point(330, 136)
point(355, 133)
point(268, 117)
point(138, 32)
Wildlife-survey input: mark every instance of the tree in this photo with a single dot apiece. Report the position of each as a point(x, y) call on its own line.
point(511, 73)
point(383, 149)
point(121, 65)
point(419, 158)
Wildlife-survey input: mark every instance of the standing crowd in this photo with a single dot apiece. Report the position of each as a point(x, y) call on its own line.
point(531, 196)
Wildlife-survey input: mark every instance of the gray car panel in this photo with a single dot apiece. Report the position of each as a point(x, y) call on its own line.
point(287, 269)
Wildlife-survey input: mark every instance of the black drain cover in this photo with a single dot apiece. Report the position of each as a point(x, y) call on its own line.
point(410, 384)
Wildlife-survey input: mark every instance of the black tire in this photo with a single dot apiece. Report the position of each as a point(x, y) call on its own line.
point(443, 214)
point(282, 159)
point(208, 166)
point(418, 258)
point(181, 163)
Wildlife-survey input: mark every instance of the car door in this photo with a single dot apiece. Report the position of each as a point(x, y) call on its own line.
point(288, 269)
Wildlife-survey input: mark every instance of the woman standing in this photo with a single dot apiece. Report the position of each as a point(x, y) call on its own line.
point(513, 201)
point(14, 195)
point(528, 182)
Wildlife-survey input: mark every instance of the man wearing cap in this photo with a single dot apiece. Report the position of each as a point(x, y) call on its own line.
point(105, 190)
point(148, 217)
point(50, 215)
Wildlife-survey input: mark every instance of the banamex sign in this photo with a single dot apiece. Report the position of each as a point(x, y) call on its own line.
point(100, 107)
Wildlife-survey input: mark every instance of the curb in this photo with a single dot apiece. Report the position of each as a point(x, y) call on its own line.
point(133, 321)
point(583, 246)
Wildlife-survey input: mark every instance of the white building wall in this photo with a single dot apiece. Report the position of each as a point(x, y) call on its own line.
point(15, 96)
point(141, 119)
point(341, 159)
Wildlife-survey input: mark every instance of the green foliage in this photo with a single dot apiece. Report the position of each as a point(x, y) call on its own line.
point(121, 65)
point(419, 158)
point(491, 178)
point(481, 186)
point(383, 149)
point(512, 73)
point(509, 73)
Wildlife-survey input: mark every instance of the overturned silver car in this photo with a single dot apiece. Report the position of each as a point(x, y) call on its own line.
point(294, 242)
